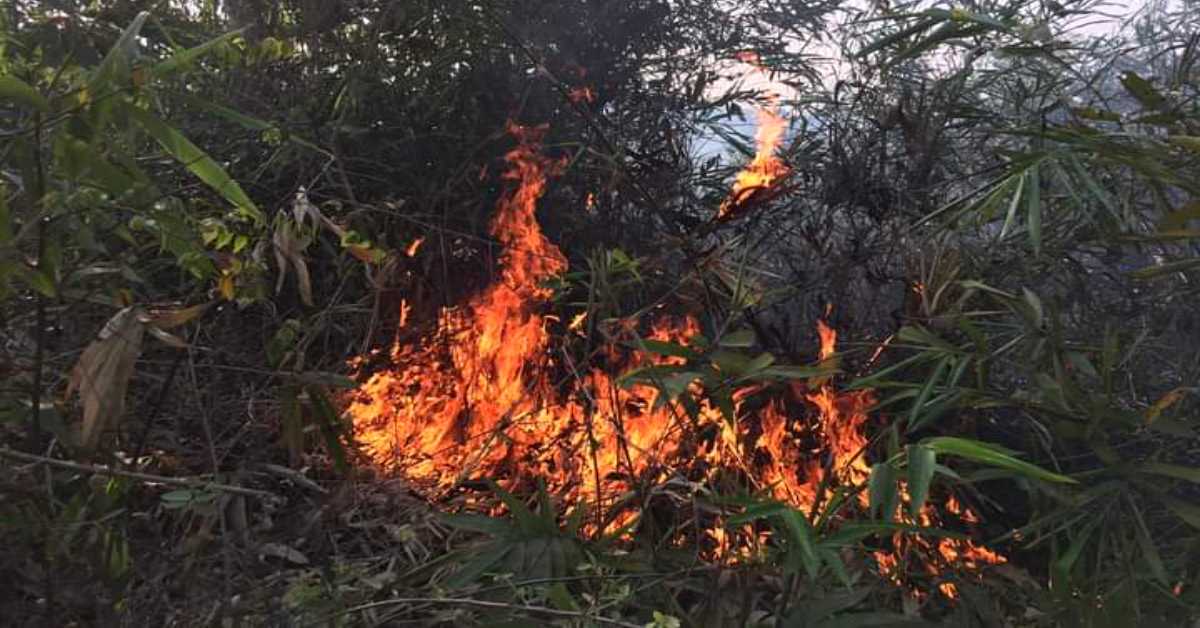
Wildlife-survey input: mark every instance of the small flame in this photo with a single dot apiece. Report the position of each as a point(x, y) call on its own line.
point(414, 246)
point(765, 169)
point(582, 94)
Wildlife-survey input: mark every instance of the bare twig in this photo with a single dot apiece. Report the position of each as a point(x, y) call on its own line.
point(541, 610)
point(134, 475)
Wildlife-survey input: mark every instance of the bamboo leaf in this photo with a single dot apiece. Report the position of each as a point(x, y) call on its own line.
point(1154, 272)
point(1180, 472)
point(13, 89)
point(1190, 142)
point(1188, 512)
point(993, 455)
point(922, 462)
point(1011, 216)
point(1034, 210)
point(185, 58)
point(741, 339)
point(196, 161)
point(883, 491)
point(903, 34)
point(915, 421)
point(114, 70)
point(801, 533)
point(1142, 90)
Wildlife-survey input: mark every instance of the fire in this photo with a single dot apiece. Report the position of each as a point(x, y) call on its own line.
point(765, 170)
point(474, 399)
point(583, 94)
point(488, 393)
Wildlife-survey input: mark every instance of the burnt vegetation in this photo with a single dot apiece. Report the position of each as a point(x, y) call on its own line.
point(599, 313)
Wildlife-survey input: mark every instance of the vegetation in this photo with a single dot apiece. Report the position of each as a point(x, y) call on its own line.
point(219, 220)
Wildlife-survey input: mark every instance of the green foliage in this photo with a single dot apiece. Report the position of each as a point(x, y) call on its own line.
point(530, 545)
point(1009, 200)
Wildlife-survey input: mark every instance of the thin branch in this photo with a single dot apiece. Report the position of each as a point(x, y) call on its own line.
point(134, 475)
point(486, 604)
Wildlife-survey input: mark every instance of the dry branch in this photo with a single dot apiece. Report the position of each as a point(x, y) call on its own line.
point(145, 477)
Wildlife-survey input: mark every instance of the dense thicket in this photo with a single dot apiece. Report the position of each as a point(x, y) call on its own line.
point(206, 208)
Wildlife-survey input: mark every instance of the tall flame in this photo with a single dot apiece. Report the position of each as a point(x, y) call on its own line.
point(485, 395)
point(765, 169)
point(474, 399)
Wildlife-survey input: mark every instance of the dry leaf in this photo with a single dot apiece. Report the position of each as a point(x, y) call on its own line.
point(169, 319)
point(279, 550)
point(289, 249)
point(225, 286)
point(101, 376)
point(1166, 401)
point(168, 338)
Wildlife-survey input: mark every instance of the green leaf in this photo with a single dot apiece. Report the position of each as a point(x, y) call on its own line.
point(676, 384)
point(670, 349)
point(6, 232)
point(185, 58)
point(1190, 142)
point(114, 69)
point(922, 461)
point(1033, 205)
point(484, 560)
point(1180, 472)
point(477, 523)
point(884, 42)
point(1188, 512)
point(789, 372)
point(741, 339)
point(993, 455)
point(332, 428)
point(1149, 549)
point(13, 89)
point(1153, 272)
point(80, 160)
point(1092, 113)
point(1037, 312)
point(1011, 216)
point(883, 491)
point(197, 161)
point(915, 420)
point(1142, 90)
point(1065, 563)
point(801, 533)
point(174, 500)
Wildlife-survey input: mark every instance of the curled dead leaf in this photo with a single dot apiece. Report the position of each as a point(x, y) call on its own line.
point(168, 338)
point(101, 376)
point(225, 286)
point(170, 319)
point(289, 251)
point(279, 550)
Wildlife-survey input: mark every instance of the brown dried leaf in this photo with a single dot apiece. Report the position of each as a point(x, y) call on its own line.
point(101, 376)
point(279, 550)
point(289, 249)
point(169, 319)
point(166, 337)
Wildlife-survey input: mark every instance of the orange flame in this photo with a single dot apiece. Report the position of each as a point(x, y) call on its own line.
point(583, 94)
point(479, 397)
point(765, 169)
